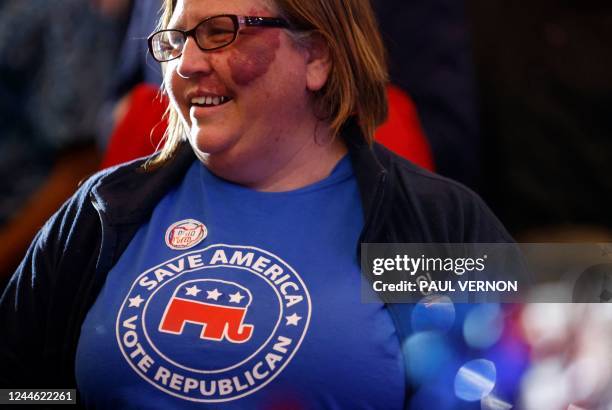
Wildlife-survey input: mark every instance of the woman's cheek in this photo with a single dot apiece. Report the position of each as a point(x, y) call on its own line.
point(174, 88)
point(252, 59)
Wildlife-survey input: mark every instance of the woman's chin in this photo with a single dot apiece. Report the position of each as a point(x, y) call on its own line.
point(218, 153)
point(210, 142)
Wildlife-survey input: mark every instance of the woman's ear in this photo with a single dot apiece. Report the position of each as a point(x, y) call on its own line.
point(319, 62)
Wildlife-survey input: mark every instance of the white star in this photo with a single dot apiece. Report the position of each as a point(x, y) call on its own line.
point(293, 319)
point(213, 294)
point(192, 291)
point(135, 302)
point(236, 297)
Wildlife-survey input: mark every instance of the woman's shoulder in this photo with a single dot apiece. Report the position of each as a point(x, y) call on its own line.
point(439, 203)
point(429, 185)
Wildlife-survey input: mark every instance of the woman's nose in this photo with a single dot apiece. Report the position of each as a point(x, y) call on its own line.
point(193, 61)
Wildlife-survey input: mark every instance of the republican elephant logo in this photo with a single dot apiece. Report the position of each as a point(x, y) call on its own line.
point(218, 306)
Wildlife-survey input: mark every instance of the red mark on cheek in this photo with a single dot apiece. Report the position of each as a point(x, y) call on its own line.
point(253, 55)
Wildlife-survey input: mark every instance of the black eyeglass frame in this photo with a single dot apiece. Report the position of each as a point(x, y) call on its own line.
point(248, 21)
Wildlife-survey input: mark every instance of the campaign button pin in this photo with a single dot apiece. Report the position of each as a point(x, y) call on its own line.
point(185, 234)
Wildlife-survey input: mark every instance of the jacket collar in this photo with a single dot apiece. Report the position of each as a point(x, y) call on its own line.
point(368, 169)
point(128, 194)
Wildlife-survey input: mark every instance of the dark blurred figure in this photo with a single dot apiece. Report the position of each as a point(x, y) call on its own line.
point(54, 60)
point(547, 95)
point(430, 56)
point(135, 66)
point(135, 63)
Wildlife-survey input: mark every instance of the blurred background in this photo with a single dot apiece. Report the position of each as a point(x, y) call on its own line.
point(511, 98)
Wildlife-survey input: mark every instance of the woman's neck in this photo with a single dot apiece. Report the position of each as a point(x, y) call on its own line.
point(309, 165)
point(302, 161)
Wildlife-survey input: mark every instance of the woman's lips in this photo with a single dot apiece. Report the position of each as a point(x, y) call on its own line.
point(209, 101)
point(199, 109)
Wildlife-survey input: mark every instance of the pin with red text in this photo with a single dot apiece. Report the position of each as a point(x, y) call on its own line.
point(185, 234)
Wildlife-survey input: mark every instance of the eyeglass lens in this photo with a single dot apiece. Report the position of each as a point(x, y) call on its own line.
point(168, 45)
point(210, 34)
point(215, 32)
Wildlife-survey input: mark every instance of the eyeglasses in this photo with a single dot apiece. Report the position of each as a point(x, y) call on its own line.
point(212, 33)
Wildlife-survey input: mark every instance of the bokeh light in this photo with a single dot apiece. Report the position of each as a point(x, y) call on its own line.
point(475, 380)
point(545, 386)
point(483, 326)
point(492, 402)
point(433, 313)
point(426, 353)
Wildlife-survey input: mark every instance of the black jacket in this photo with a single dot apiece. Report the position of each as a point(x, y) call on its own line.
point(46, 301)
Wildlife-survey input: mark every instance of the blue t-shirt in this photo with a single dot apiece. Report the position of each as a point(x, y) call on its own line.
point(234, 298)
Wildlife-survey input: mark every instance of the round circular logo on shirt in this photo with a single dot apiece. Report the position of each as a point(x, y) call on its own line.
point(214, 325)
point(185, 234)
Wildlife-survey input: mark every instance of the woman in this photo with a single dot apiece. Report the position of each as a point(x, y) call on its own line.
point(224, 270)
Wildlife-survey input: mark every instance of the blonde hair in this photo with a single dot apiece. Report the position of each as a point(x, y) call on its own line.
point(358, 76)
